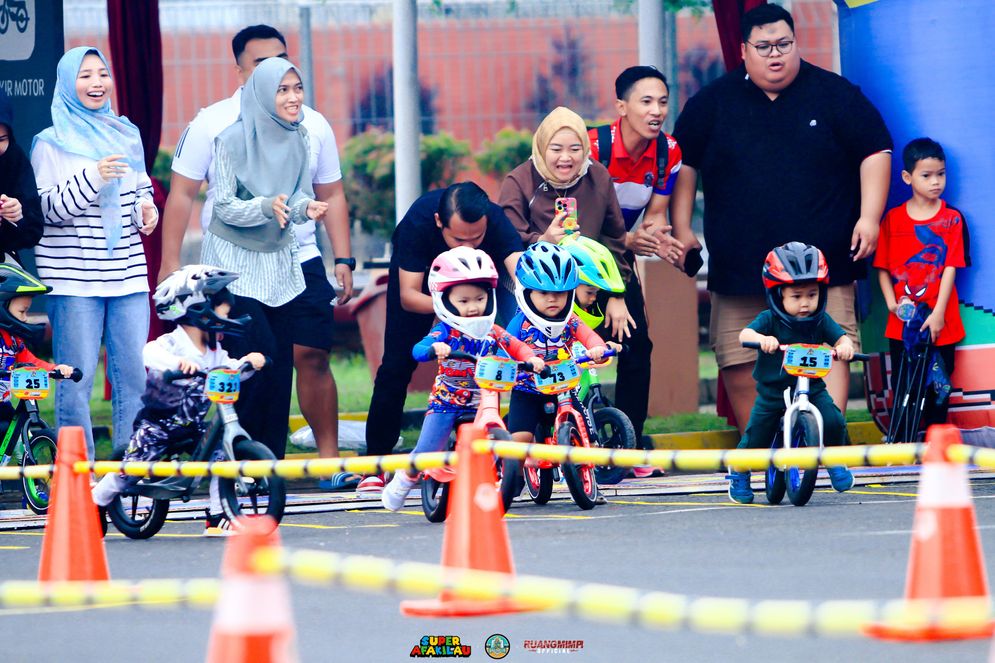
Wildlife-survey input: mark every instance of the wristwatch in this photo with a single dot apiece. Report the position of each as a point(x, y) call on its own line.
point(350, 262)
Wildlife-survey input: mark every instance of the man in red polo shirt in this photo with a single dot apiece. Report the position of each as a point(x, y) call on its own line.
point(643, 162)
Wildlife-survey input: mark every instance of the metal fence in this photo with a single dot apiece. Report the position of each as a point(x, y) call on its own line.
point(484, 65)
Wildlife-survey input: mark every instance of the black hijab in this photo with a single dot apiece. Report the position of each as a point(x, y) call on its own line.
point(17, 180)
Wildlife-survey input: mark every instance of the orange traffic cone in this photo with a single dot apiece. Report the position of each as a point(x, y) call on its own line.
point(475, 537)
point(253, 622)
point(945, 557)
point(73, 547)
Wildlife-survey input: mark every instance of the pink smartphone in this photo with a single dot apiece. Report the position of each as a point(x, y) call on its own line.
point(570, 205)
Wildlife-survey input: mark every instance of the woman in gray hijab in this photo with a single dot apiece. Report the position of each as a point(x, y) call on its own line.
point(263, 188)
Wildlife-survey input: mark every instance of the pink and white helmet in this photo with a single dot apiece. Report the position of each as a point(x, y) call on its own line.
point(459, 266)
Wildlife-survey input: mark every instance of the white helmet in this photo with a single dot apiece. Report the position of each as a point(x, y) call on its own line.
point(190, 294)
point(459, 266)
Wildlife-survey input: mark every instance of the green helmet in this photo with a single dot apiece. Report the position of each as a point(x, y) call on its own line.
point(597, 264)
point(15, 282)
point(597, 267)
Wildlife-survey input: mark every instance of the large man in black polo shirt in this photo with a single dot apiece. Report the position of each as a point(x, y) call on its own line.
point(461, 215)
point(786, 152)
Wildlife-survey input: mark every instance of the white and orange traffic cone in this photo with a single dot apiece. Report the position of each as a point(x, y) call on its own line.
point(253, 621)
point(945, 557)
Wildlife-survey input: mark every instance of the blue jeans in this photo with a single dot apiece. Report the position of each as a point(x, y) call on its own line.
point(78, 326)
point(435, 431)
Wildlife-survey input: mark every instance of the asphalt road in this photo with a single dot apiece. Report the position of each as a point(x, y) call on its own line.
point(852, 546)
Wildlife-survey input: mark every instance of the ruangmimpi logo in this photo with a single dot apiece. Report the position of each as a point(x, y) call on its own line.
point(17, 29)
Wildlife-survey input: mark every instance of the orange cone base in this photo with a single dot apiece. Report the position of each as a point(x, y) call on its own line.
point(462, 607)
point(261, 648)
point(928, 633)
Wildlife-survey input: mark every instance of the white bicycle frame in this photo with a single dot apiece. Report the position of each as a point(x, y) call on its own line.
point(799, 403)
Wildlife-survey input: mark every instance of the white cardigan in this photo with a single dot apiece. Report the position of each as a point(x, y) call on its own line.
point(72, 255)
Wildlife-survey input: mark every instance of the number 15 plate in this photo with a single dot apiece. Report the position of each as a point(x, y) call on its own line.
point(810, 361)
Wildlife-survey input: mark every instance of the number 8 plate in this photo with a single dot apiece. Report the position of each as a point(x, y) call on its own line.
point(810, 361)
point(496, 373)
point(222, 385)
point(30, 383)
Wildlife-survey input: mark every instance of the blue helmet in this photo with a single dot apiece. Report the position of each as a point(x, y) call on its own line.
point(545, 266)
point(548, 268)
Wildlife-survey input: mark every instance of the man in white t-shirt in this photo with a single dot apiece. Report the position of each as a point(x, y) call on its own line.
point(312, 310)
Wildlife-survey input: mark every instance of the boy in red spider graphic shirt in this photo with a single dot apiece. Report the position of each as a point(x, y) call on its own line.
point(922, 244)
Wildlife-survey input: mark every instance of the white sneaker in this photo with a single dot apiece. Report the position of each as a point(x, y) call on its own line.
point(396, 491)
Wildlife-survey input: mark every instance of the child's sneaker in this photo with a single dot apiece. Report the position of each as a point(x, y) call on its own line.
point(841, 478)
point(371, 486)
point(739, 487)
point(397, 490)
point(217, 525)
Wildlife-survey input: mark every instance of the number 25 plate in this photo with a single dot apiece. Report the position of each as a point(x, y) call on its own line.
point(222, 385)
point(563, 376)
point(30, 383)
point(496, 373)
point(810, 361)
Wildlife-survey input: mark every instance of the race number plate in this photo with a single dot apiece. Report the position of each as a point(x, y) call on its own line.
point(496, 373)
point(563, 376)
point(30, 384)
point(222, 385)
point(810, 361)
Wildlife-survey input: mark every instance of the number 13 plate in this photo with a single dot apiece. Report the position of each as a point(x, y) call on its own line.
point(222, 385)
point(810, 361)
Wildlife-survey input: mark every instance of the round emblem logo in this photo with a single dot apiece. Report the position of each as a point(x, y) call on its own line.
point(497, 646)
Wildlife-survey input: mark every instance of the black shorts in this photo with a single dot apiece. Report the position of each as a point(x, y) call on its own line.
point(311, 311)
point(527, 409)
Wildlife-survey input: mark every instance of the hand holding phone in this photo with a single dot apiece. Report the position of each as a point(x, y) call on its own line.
point(568, 205)
point(693, 262)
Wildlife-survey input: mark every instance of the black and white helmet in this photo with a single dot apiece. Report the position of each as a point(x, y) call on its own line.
point(189, 295)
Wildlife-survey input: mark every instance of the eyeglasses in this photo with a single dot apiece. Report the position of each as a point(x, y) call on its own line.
point(764, 49)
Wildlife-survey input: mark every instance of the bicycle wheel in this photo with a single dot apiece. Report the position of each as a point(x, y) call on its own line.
point(511, 471)
point(40, 451)
point(539, 482)
point(799, 483)
point(774, 478)
point(138, 517)
point(612, 430)
point(237, 502)
point(134, 516)
point(580, 478)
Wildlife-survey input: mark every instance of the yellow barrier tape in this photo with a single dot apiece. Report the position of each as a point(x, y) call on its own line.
point(714, 459)
point(290, 469)
point(705, 460)
point(198, 593)
point(622, 605)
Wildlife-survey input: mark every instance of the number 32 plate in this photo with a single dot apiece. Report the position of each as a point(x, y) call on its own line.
point(810, 361)
point(222, 385)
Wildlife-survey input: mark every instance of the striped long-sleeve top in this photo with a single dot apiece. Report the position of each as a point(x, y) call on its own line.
point(271, 277)
point(72, 255)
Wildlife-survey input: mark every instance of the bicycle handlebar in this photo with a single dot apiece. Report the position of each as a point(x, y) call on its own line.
point(76, 376)
point(522, 365)
point(857, 356)
point(176, 374)
point(610, 352)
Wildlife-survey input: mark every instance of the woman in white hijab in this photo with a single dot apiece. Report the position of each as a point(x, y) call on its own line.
point(263, 187)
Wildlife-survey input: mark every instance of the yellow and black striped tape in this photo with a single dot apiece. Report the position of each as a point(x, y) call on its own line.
point(687, 460)
point(620, 605)
point(198, 593)
point(711, 459)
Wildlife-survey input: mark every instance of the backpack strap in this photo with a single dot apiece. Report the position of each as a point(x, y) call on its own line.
point(662, 156)
point(605, 145)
